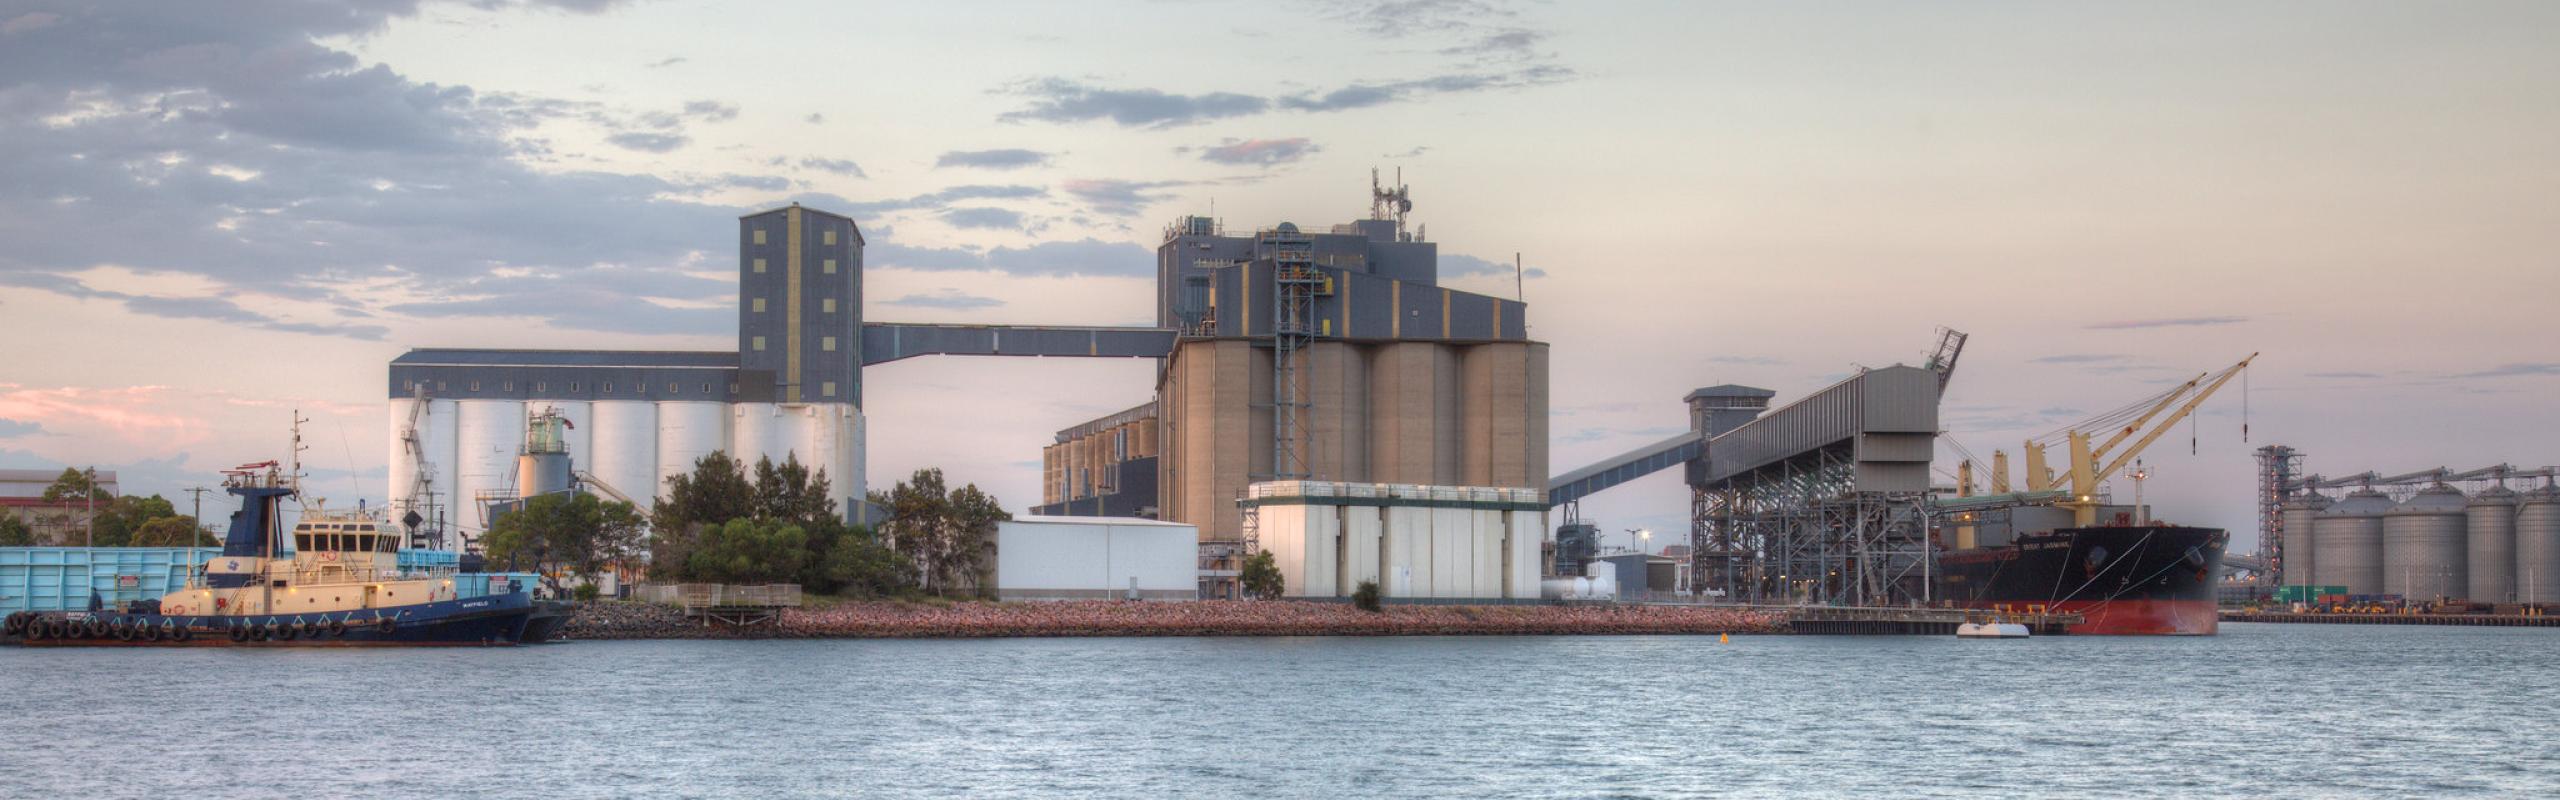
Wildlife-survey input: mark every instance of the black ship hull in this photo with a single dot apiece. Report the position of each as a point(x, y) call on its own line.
point(2136, 580)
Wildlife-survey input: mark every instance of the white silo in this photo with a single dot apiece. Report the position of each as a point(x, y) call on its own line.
point(2423, 546)
point(754, 432)
point(2490, 556)
point(487, 435)
point(2346, 542)
point(2299, 515)
point(687, 431)
point(625, 449)
point(2538, 546)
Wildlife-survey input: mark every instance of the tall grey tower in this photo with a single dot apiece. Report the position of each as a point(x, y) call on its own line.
point(800, 306)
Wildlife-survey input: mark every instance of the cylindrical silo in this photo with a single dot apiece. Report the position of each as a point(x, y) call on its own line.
point(791, 439)
point(687, 431)
point(487, 433)
point(2298, 515)
point(2538, 547)
point(754, 431)
point(625, 449)
point(2346, 542)
point(2425, 545)
point(401, 483)
point(2491, 555)
point(581, 435)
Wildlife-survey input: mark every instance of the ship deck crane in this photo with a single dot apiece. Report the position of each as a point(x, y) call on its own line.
point(2091, 464)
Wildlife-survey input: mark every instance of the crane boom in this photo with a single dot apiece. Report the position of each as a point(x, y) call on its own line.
point(2173, 419)
point(2129, 428)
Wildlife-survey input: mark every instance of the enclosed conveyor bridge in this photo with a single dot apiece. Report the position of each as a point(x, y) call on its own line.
point(883, 342)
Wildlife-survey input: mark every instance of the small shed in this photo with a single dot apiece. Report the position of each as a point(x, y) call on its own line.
point(1096, 558)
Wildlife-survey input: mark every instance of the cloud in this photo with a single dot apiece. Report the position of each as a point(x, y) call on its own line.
point(953, 299)
point(2172, 322)
point(649, 142)
point(27, 22)
point(11, 427)
point(1063, 100)
point(1507, 43)
point(1460, 265)
point(1084, 257)
point(815, 118)
point(835, 165)
point(218, 309)
point(1265, 153)
point(1118, 198)
point(934, 201)
point(1364, 95)
point(1416, 152)
point(1750, 361)
point(710, 111)
point(2515, 370)
point(2343, 375)
point(665, 62)
point(983, 218)
point(993, 159)
point(2081, 358)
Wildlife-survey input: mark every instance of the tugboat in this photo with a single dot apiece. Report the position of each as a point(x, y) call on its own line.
point(341, 585)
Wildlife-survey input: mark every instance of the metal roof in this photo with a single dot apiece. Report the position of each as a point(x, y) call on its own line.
point(444, 357)
point(1730, 390)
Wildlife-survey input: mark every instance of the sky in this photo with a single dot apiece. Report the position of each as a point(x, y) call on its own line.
point(211, 217)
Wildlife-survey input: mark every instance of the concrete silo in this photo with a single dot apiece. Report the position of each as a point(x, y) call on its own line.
point(2299, 516)
point(488, 433)
point(2346, 542)
point(2424, 545)
point(2491, 551)
point(625, 455)
point(687, 431)
point(2538, 546)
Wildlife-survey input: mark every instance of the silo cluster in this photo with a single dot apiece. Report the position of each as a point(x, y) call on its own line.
point(2494, 546)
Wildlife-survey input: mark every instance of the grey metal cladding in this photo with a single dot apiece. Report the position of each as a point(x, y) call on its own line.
point(567, 383)
point(1878, 402)
point(1367, 301)
point(884, 342)
point(446, 356)
point(1471, 316)
point(1515, 320)
point(1625, 467)
point(1419, 307)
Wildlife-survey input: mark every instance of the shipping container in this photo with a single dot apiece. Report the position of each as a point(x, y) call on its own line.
point(64, 578)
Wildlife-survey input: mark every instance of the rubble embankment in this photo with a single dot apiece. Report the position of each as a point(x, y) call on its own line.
point(911, 620)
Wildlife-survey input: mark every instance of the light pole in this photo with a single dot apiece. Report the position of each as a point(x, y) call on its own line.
point(2141, 516)
point(89, 487)
point(196, 537)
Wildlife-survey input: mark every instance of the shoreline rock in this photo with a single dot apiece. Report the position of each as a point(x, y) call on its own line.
point(910, 620)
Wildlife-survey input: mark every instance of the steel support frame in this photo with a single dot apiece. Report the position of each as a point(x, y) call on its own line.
point(1799, 531)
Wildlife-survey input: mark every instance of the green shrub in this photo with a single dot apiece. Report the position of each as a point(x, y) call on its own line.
point(587, 592)
point(1366, 597)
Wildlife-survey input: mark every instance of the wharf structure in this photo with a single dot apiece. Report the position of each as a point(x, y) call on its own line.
point(2486, 535)
point(791, 388)
point(1331, 355)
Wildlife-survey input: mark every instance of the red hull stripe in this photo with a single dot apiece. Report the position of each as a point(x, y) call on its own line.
point(2128, 617)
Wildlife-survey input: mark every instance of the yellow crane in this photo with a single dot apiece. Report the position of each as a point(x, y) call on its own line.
point(2091, 463)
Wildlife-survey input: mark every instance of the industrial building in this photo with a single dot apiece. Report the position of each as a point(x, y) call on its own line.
point(1414, 542)
point(791, 388)
point(59, 522)
point(1329, 355)
point(2420, 536)
point(1093, 558)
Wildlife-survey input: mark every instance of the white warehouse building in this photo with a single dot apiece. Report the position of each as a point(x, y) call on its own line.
point(1435, 542)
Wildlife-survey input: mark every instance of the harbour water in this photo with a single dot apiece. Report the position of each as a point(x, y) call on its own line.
point(2262, 710)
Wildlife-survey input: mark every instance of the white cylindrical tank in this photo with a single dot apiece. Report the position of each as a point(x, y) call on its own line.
point(401, 483)
point(2491, 554)
point(2346, 542)
point(580, 436)
point(753, 432)
point(791, 439)
point(625, 443)
point(687, 431)
point(2423, 546)
point(487, 435)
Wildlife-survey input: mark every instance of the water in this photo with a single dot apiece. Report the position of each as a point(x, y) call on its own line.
point(2261, 710)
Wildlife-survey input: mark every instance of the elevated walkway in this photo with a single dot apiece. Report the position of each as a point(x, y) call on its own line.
point(883, 342)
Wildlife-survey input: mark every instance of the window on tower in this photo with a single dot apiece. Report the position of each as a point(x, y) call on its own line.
point(827, 237)
point(827, 388)
point(756, 344)
point(759, 236)
point(756, 305)
point(827, 304)
point(759, 265)
point(827, 343)
point(829, 265)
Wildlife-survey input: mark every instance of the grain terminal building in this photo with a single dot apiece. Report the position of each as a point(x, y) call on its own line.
point(1326, 356)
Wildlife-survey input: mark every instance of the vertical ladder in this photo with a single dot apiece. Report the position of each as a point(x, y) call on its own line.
point(1295, 284)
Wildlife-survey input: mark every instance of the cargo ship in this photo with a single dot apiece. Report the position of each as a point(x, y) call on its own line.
point(336, 582)
point(2133, 579)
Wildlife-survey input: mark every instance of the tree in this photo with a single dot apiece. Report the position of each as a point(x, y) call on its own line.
point(716, 492)
point(120, 519)
point(947, 534)
point(1261, 576)
point(176, 531)
point(858, 564)
point(15, 533)
point(576, 532)
point(749, 551)
point(73, 485)
point(1366, 597)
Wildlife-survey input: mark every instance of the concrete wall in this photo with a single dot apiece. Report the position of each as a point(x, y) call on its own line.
point(1058, 558)
point(1435, 413)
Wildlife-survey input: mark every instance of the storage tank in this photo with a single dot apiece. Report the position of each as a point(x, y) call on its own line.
point(2538, 546)
point(542, 466)
point(487, 433)
point(2298, 515)
point(625, 454)
point(2424, 545)
point(687, 431)
point(2490, 557)
point(2346, 542)
point(398, 485)
point(754, 430)
point(580, 437)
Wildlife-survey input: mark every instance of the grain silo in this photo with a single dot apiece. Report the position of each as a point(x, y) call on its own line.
point(2491, 552)
point(2299, 515)
point(2346, 542)
point(2538, 546)
point(2423, 545)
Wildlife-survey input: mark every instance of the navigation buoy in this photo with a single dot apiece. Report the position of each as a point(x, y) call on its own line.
point(1724, 638)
